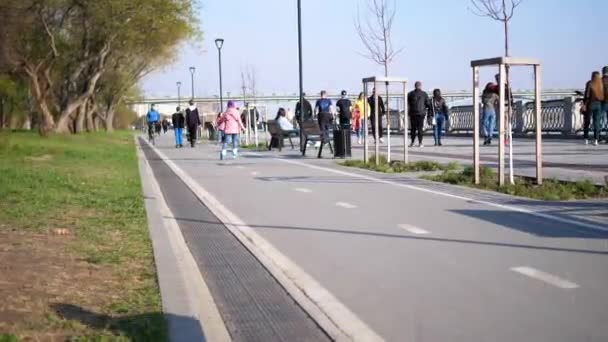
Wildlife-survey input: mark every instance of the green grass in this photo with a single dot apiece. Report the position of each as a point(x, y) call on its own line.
point(550, 190)
point(90, 185)
point(397, 166)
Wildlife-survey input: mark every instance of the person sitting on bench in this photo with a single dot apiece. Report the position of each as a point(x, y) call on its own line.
point(284, 124)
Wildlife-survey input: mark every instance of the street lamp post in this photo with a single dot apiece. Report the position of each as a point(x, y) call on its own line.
point(219, 43)
point(179, 97)
point(192, 70)
point(300, 74)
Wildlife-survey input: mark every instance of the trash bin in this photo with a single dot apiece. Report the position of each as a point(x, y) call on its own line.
point(342, 148)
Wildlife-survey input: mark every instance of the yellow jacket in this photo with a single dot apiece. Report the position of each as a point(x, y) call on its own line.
point(358, 107)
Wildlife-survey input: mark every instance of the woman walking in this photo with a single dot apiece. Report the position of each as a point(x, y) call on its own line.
point(358, 113)
point(232, 125)
point(490, 101)
point(594, 98)
point(440, 115)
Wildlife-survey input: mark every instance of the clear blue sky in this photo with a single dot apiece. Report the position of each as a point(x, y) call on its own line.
point(439, 38)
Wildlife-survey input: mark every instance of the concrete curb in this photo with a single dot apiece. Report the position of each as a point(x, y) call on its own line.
point(189, 308)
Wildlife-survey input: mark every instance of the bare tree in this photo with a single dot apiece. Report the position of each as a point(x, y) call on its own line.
point(502, 11)
point(376, 35)
point(375, 32)
point(499, 10)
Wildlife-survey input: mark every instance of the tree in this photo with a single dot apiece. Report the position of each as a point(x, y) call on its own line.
point(376, 35)
point(499, 10)
point(502, 11)
point(67, 49)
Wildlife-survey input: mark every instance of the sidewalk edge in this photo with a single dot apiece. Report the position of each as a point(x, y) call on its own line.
point(326, 310)
point(184, 292)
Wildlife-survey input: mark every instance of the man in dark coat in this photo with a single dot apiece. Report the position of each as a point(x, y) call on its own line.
point(192, 122)
point(418, 106)
point(372, 115)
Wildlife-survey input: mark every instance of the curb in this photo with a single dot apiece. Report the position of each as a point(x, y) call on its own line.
point(187, 303)
point(327, 311)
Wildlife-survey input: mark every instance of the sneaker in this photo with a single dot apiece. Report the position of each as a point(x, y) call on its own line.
point(586, 142)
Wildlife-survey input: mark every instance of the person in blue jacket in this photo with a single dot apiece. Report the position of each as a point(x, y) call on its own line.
point(152, 118)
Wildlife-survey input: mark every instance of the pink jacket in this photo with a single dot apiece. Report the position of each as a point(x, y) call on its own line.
point(231, 121)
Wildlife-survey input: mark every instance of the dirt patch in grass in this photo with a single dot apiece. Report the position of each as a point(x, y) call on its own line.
point(76, 261)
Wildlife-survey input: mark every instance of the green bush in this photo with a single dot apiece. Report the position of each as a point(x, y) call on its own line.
point(550, 190)
point(398, 166)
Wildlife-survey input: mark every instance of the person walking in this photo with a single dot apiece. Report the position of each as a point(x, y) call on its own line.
point(344, 107)
point(178, 121)
point(304, 110)
point(165, 124)
point(489, 99)
point(358, 117)
point(233, 125)
point(372, 116)
point(440, 114)
point(193, 121)
point(594, 101)
point(418, 107)
point(323, 110)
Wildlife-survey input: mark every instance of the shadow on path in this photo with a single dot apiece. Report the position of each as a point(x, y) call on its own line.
point(407, 237)
point(144, 327)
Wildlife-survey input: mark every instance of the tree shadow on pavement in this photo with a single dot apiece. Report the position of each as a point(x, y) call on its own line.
point(533, 225)
point(370, 233)
point(144, 327)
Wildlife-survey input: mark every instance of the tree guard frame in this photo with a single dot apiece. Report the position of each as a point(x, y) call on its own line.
point(502, 63)
point(375, 80)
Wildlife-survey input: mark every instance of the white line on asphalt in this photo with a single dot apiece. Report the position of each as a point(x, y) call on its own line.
point(414, 230)
point(445, 194)
point(345, 205)
point(303, 190)
point(546, 277)
point(333, 316)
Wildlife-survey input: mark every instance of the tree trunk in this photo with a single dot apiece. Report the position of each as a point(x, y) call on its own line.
point(110, 119)
point(89, 114)
point(47, 123)
point(80, 119)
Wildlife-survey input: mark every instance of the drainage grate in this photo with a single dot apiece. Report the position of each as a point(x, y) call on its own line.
point(253, 305)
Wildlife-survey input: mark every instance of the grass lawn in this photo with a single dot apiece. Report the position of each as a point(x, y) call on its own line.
point(75, 255)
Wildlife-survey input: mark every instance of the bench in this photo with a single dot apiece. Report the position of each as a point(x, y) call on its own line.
point(277, 136)
point(312, 133)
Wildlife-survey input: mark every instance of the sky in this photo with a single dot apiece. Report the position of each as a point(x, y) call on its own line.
point(439, 39)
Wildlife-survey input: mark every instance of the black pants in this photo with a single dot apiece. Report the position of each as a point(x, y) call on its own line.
point(325, 138)
point(373, 120)
point(417, 123)
point(192, 134)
